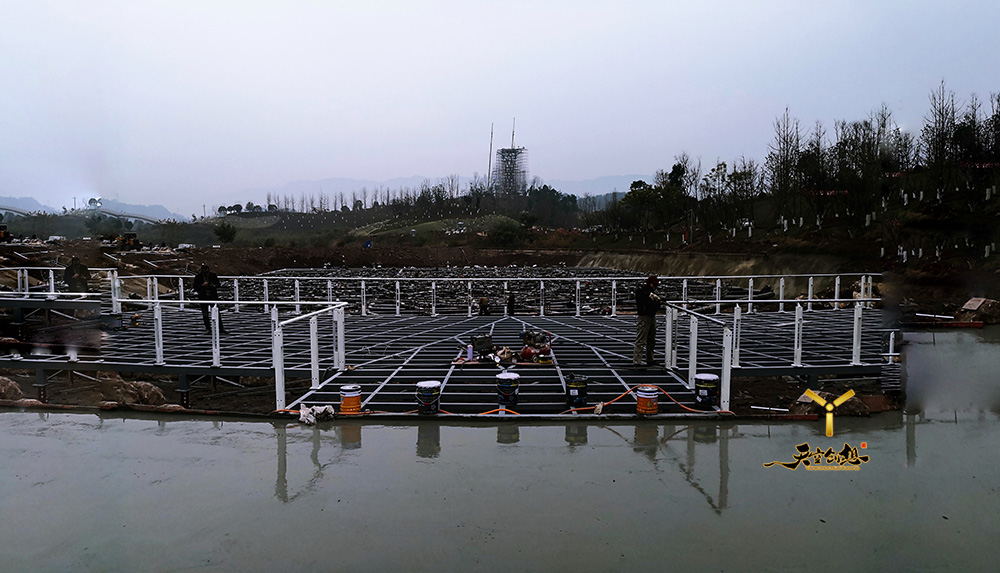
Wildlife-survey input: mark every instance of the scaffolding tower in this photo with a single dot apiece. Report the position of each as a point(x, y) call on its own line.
point(510, 176)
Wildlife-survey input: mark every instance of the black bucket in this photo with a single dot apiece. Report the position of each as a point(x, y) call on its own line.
point(576, 391)
point(507, 384)
point(706, 390)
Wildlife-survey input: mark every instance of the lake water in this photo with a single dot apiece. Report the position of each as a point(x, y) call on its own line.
point(83, 492)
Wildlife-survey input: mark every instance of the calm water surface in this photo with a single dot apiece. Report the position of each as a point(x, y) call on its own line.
point(104, 493)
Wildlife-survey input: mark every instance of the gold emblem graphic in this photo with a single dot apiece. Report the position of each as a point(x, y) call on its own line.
point(829, 407)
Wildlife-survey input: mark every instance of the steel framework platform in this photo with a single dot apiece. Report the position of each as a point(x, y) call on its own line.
point(387, 355)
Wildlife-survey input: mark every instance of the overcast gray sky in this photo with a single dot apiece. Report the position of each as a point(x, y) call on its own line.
point(179, 103)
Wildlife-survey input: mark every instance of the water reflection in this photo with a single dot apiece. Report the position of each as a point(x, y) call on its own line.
point(646, 440)
point(666, 446)
point(428, 440)
point(350, 436)
point(508, 434)
point(576, 434)
point(911, 440)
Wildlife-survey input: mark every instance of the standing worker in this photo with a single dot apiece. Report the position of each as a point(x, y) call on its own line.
point(646, 305)
point(76, 275)
point(206, 284)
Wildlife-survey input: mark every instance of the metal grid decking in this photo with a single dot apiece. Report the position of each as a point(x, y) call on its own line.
point(388, 355)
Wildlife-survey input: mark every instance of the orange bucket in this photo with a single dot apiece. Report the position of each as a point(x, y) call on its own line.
point(350, 399)
point(647, 400)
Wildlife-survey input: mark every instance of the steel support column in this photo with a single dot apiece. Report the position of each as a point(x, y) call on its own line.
point(856, 346)
point(692, 352)
point(725, 378)
point(797, 353)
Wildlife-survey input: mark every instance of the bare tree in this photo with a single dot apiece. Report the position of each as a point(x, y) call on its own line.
point(781, 164)
point(451, 183)
point(938, 131)
point(691, 169)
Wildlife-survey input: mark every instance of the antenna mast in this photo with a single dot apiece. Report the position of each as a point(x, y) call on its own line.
point(489, 169)
point(512, 124)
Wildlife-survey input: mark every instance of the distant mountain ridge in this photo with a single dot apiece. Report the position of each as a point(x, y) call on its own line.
point(26, 203)
point(151, 211)
point(598, 186)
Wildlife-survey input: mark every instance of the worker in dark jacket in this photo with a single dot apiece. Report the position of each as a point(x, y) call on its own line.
point(206, 284)
point(646, 305)
point(76, 275)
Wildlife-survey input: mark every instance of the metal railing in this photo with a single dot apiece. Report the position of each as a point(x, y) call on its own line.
point(533, 296)
point(278, 330)
point(695, 296)
point(336, 311)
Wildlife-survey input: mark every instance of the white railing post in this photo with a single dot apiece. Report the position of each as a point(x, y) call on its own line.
point(20, 283)
point(684, 293)
point(216, 347)
point(718, 296)
point(298, 308)
point(836, 293)
point(314, 350)
point(856, 347)
point(541, 298)
point(506, 295)
point(364, 299)
point(892, 346)
point(578, 298)
point(158, 333)
point(399, 300)
point(236, 295)
point(52, 281)
point(469, 300)
point(149, 292)
point(156, 289)
point(797, 353)
point(278, 361)
point(750, 296)
point(669, 344)
point(329, 291)
point(180, 292)
point(267, 307)
point(339, 352)
point(692, 352)
point(614, 298)
point(809, 296)
point(737, 333)
point(781, 295)
point(727, 349)
point(116, 292)
point(434, 298)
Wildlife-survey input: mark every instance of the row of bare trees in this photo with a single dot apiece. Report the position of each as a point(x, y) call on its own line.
point(850, 173)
